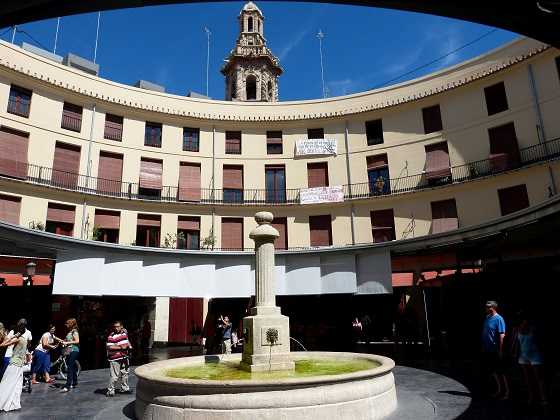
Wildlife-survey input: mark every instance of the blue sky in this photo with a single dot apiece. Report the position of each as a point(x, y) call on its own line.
point(363, 48)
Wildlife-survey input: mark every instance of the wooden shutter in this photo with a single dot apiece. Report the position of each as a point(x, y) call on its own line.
point(72, 117)
point(61, 213)
point(274, 137)
point(281, 225)
point(233, 177)
point(188, 223)
point(149, 220)
point(383, 225)
point(151, 173)
point(377, 161)
point(107, 219)
point(13, 153)
point(189, 181)
point(444, 216)
point(315, 133)
point(317, 175)
point(513, 199)
point(66, 165)
point(504, 150)
point(432, 119)
point(496, 99)
point(232, 233)
point(110, 172)
point(320, 231)
point(113, 127)
point(437, 161)
point(233, 142)
point(10, 208)
point(185, 318)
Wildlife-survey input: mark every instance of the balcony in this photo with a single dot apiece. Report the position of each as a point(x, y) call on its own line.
point(19, 106)
point(39, 175)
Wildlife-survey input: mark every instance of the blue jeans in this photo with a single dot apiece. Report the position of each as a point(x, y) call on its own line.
point(72, 374)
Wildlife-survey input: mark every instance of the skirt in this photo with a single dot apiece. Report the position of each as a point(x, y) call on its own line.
point(10, 388)
point(41, 362)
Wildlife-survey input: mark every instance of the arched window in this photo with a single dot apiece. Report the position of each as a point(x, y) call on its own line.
point(233, 88)
point(259, 25)
point(270, 92)
point(251, 87)
point(250, 24)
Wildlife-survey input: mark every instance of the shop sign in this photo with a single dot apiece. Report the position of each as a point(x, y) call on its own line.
point(316, 147)
point(321, 195)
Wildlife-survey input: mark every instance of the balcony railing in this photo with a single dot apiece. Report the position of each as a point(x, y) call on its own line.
point(71, 122)
point(19, 106)
point(130, 190)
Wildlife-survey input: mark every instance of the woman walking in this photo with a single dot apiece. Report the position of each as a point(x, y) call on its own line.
point(72, 343)
point(42, 358)
point(12, 381)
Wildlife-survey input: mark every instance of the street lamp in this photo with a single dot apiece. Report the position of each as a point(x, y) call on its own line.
point(30, 270)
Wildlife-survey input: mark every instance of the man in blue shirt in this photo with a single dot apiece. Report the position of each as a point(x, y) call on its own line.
point(225, 325)
point(493, 333)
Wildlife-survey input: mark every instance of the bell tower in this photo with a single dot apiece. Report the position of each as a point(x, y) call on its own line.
point(251, 71)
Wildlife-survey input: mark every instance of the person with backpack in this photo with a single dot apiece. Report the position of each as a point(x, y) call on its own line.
point(118, 354)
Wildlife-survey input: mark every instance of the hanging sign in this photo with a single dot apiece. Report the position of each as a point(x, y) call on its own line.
point(321, 195)
point(316, 147)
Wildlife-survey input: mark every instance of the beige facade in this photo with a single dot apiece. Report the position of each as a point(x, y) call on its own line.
point(459, 92)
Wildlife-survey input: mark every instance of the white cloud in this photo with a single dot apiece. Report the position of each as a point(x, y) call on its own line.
point(294, 42)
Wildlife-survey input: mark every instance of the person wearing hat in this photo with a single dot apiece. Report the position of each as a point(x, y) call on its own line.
point(493, 334)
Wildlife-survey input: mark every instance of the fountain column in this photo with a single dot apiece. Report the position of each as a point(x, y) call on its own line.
point(266, 331)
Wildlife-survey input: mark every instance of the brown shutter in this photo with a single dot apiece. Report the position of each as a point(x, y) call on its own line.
point(188, 223)
point(437, 160)
point(151, 173)
point(13, 153)
point(274, 137)
point(281, 225)
point(189, 181)
point(66, 165)
point(149, 220)
point(107, 219)
point(233, 177)
point(109, 172)
point(432, 119)
point(233, 142)
point(60, 213)
point(513, 199)
point(377, 161)
point(320, 230)
point(71, 117)
point(317, 175)
point(232, 233)
point(504, 150)
point(9, 209)
point(383, 225)
point(113, 127)
point(444, 216)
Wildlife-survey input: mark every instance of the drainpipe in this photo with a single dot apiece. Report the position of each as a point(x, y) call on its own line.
point(213, 184)
point(349, 180)
point(541, 135)
point(83, 233)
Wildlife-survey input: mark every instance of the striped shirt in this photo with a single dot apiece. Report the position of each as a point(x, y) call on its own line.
point(118, 339)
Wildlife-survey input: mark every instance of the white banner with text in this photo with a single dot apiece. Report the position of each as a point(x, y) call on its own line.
point(321, 195)
point(316, 147)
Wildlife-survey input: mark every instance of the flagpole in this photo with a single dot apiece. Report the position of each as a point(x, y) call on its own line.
point(96, 37)
point(320, 36)
point(56, 34)
point(208, 33)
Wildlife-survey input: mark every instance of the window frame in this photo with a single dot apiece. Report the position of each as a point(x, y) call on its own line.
point(379, 138)
point(19, 99)
point(189, 143)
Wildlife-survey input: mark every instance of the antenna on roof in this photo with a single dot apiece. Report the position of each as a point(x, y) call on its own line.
point(96, 37)
point(320, 36)
point(56, 34)
point(208, 33)
point(14, 33)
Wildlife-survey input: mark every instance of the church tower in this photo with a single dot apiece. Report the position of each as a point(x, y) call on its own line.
point(251, 70)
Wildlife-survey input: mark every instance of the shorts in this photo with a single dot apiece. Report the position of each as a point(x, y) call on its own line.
point(525, 360)
point(493, 363)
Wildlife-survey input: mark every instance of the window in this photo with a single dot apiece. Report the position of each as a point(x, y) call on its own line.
point(60, 219)
point(191, 139)
point(320, 232)
point(71, 117)
point(496, 99)
point(66, 165)
point(275, 184)
point(148, 230)
point(106, 225)
point(189, 181)
point(10, 208)
point(382, 225)
point(233, 142)
point(315, 133)
point(317, 175)
point(110, 173)
point(251, 85)
point(437, 162)
point(13, 153)
point(444, 216)
point(504, 151)
point(113, 127)
point(432, 119)
point(513, 199)
point(188, 232)
point(152, 136)
point(250, 24)
point(281, 225)
point(374, 132)
point(270, 90)
point(232, 233)
point(150, 178)
point(274, 142)
point(378, 174)
point(19, 101)
point(233, 184)
point(233, 88)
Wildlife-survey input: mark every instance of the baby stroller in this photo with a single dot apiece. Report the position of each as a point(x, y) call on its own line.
point(27, 376)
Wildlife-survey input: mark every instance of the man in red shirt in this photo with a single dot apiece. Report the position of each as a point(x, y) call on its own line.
point(118, 352)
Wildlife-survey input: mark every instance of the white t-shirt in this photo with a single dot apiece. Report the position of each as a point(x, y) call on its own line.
point(50, 340)
point(10, 349)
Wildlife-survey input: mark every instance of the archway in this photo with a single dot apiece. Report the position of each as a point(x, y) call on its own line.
point(251, 87)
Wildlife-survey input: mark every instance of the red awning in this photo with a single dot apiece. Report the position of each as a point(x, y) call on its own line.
point(17, 279)
point(402, 279)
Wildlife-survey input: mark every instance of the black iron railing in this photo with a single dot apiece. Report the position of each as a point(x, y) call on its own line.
point(541, 152)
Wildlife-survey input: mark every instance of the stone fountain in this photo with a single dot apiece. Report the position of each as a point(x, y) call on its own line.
point(364, 394)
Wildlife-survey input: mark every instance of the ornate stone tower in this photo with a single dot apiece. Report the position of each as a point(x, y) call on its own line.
point(251, 70)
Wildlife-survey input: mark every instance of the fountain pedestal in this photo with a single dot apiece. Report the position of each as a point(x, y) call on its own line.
point(266, 330)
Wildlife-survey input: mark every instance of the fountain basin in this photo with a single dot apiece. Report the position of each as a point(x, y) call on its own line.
point(365, 394)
